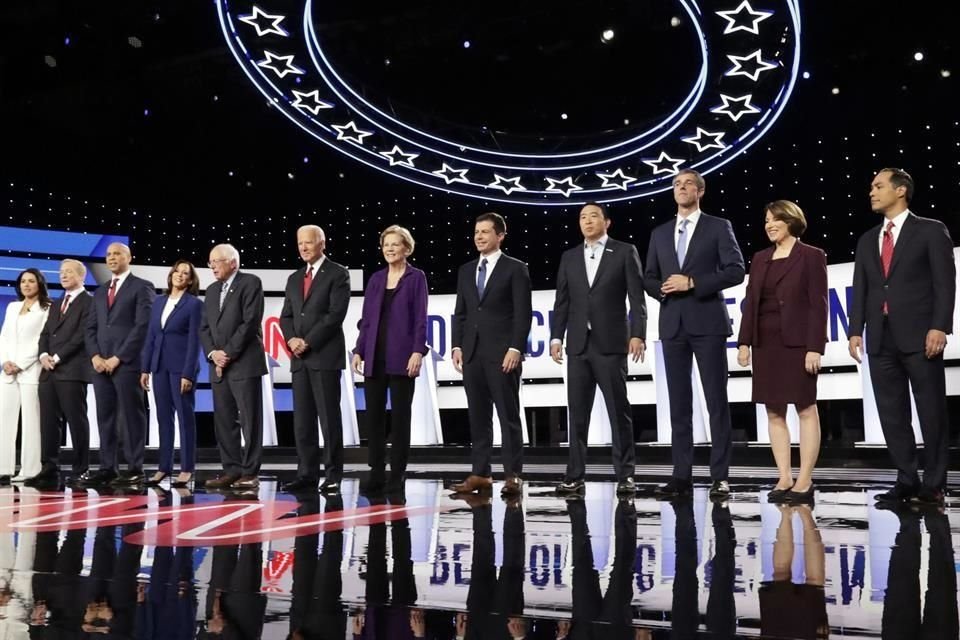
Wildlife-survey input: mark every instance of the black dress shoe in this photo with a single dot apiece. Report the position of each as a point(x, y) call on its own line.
point(127, 478)
point(719, 490)
point(800, 497)
point(571, 488)
point(100, 478)
point(4, 481)
point(898, 493)
point(626, 487)
point(675, 488)
point(330, 487)
point(929, 496)
point(301, 484)
point(49, 477)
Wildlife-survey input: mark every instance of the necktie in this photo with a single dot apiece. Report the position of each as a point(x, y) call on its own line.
point(112, 293)
point(481, 277)
point(307, 281)
point(886, 254)
point(682, 241)
point(65, 303)
point(223, 294)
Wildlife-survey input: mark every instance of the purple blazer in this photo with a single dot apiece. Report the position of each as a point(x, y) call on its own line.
point(408, 320)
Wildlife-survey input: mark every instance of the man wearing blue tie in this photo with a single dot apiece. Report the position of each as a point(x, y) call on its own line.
point(691, 259)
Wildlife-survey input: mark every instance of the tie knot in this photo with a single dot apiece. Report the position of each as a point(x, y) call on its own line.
point(683, 224)
point(890, 226)
point(483, 263)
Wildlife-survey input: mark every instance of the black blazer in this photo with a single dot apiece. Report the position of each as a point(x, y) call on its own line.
point(920, 290)
point(237, 329)
point(602, 305)
point(714, 261)
point(501, 319)
point(64, 336)
point(122, 329)
point(318, 319)
point(801, 292)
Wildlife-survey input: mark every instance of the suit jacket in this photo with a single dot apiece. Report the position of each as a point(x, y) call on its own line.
point(64, 336)
point(801, 292)
point(175, 346)
point(501, 319)
point(407, 333)
point(19, 342)
point(602, 305)
point(318, 319)
point(237, 329)
point(713, 260)
point(122, 329)
point(920, 289)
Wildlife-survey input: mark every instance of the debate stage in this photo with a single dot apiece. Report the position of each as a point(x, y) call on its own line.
point(168, 563)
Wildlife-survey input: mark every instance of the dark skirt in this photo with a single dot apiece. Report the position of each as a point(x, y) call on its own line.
point(779, 376)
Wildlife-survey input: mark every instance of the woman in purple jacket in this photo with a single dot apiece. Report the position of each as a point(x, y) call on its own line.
point(389, 351)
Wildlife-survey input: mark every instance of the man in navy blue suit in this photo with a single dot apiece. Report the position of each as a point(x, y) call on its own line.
point(116, 329)
point(691, 260)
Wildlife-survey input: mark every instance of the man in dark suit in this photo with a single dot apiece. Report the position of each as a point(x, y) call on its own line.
point(690, 261)
point(491, 323)
point(315, 304)
point(116, 330)
point(593, 283)
point(231, 333)
point(64, 378)
point(904, 290)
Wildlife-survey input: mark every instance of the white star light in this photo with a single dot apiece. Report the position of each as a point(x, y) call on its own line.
point(660, 165)
point(716, 140)
point(616, 179)
point(736, 23)
point(288, 67)
point(253, 21)
point(745, 106)
point(759, 66)
point(451, 175)
point(565, 186)
point(507, 185)
point(398, 157)
point(315, 104)
point(350, 132)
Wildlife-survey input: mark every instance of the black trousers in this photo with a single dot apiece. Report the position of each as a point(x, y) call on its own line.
point(585, 372)
point(711, 353)
point(316, 396)
point(892, 372)
point(487, 386)
point(64, 401)
point(401, 399)
point(119, 394)
point(238, 408)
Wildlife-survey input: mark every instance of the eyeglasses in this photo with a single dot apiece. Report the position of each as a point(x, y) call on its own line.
point(218, 261)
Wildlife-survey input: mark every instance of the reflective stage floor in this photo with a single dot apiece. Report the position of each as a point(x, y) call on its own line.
point(175, 564)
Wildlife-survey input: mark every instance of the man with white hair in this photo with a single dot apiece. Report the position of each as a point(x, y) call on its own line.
point(232, 337)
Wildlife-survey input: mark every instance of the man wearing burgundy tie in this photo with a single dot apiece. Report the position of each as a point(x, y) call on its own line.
point(904, 289)
point(116, 330)
point(315, 304)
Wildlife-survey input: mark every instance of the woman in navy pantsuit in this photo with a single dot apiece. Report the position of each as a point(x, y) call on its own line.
point(171, 355)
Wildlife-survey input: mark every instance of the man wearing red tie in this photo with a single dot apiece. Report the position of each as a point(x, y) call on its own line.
point(904, 288)
point(315, 304)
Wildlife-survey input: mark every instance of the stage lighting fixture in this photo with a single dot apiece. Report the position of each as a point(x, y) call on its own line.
point(607, 35)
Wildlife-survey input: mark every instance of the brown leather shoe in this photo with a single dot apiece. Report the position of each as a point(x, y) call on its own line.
point(473, 500)
point(223, 481)
point(473, 483)
point(247, 482)
point(513, 486)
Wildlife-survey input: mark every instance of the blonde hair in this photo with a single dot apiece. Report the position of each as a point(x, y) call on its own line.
point(405, 236)
point(76, 264)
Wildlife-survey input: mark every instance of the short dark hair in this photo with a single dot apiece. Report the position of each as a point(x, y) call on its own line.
point(900, 178)
point(603, 209)
point(42, 294)
point(697, 177)
point(194, 287)
point(499, 224)
point(789, 213)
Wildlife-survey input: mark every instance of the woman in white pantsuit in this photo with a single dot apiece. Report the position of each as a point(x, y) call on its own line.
point(19, 340)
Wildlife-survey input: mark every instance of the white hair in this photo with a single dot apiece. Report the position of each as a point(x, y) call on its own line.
point(315, 228)
point(228, 251)
point(78, 266)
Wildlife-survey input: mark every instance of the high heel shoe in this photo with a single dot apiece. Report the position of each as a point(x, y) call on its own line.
point(180, 481)
point(800, 497)
point(156, 478)
point(777, 495)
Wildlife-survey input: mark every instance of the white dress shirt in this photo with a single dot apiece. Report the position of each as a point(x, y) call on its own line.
point(168, 309)
point(592, 255)
point(897, 225)
point(692, 220)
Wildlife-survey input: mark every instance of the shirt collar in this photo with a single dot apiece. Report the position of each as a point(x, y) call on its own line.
point(120, 277)
point(691, 219)
point(73, 292)
point(493, 257)
point(602, 242)
point(897, 221)
point(315, 266)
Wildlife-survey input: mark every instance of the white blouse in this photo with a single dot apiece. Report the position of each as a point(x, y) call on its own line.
point(19, 342)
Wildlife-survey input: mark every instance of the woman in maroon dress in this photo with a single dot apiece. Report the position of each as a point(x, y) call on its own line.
point(785, 323)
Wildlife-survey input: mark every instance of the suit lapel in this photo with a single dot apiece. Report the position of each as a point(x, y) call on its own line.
point(671, 248)
point(694, 241)
point(493, 276)
point(313, 285)
point(606, 255)
point(791, 263)
point(903, 241)
point(176, 307)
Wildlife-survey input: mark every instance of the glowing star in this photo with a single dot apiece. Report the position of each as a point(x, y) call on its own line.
point(565, 186)
point(616, 179)
point(660, 165)
point(351, 133)
point(315, 104)
point(507, 185)
point(702, 135)
point(736, 22)
point(398, 157)
point(451, 175)
point(737, 112)
point(758, 66)
point(288, 67)
point(254, 21)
